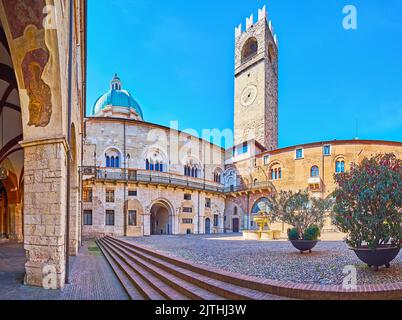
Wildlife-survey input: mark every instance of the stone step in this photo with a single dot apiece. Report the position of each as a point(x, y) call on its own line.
point(146, 291)
point(168, 276)
point(127, 284)
point(188, 273)
point(168, 290)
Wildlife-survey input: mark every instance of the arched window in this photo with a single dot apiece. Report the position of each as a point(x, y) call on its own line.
point(155, 160)
point(235, 211)
point(315, 172)
point(271, 53)
point(192, 169)
point(275, 172)
point(112, 158)
point(340, 166)
point(250, 49)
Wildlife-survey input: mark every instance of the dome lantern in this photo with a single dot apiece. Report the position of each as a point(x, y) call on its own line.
point(117, 103)
point(115, 84)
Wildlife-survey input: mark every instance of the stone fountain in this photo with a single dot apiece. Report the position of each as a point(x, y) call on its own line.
point(262, 219)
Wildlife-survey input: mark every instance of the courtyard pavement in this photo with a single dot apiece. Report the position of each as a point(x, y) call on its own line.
point(91, 277)
point(276, 260)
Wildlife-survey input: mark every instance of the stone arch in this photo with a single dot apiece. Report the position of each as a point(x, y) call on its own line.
point(230, 177)
point(261, 204)
point(250, 49)
point(38, 45)
point(11, 153)
point(163, 217)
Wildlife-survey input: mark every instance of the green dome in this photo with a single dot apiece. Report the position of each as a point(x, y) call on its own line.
point(116, 97)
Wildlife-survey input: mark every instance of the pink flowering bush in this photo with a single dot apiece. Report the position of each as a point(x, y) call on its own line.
point(369, 201)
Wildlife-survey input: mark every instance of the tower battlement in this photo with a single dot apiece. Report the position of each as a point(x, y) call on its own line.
point(262, 16)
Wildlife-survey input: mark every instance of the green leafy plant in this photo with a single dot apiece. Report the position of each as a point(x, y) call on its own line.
point(368, 202)
point(301, 211)
point(312, 233)
point(293, 234)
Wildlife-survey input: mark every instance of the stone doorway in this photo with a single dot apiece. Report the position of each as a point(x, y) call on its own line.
point(161, 220)
point(207, 226)
point(236, 225)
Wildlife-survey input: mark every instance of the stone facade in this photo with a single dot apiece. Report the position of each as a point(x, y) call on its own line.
point(256, 84)
point(35, 44)
point(182, 197)
point(256, 177)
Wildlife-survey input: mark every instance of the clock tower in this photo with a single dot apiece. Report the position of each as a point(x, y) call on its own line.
point(256, 83)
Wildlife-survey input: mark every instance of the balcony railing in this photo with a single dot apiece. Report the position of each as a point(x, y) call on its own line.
point(156, 178)
point(250, 187)
point(160, 178)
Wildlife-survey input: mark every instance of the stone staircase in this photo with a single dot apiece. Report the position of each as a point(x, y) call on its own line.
point(148, 275)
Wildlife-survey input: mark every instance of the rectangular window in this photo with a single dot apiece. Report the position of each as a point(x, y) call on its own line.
point(244, 149)
point(327, 150)
point(132, 218)
point(87, 217)
point(266, 160)
point(216, 220)
point(187, 197)
point(87, 195)
point(187, 210)
point(109, 196)
point(132, 193)
point(187, 221)
point(208, 203)
point(299, 153)
point(110, 217)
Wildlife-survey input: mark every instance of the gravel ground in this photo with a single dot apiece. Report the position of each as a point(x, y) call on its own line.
point(276, 260)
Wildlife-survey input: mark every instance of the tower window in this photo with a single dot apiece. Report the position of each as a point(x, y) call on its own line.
point(271, 53)
point(250, 49)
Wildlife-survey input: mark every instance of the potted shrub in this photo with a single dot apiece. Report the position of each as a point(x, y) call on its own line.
point(368, 202)
point(305, 214)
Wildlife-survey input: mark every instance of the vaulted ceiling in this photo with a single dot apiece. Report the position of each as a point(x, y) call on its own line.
point(11, 154)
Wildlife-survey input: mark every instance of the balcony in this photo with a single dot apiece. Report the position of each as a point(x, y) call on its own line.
point(254, 187)
point(151, 178)
point(315, 184)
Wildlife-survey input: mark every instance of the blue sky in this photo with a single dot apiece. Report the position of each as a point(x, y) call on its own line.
point(177, 58)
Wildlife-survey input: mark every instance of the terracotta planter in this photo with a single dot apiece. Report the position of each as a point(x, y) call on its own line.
point(382, 256)
point(304, 245)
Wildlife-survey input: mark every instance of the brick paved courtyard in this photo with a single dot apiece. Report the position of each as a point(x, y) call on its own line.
point(276, 260)
point(91, 277)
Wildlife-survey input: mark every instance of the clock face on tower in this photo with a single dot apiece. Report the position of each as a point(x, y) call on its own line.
point(249, 95)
